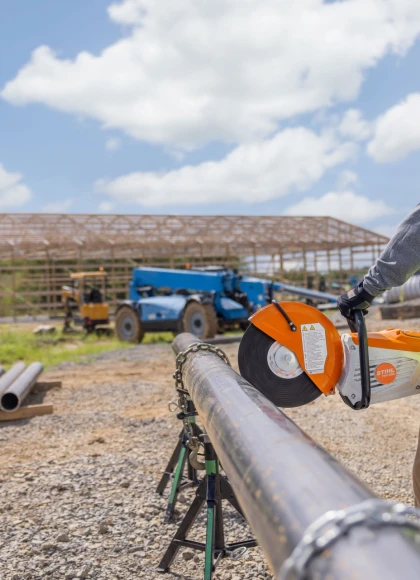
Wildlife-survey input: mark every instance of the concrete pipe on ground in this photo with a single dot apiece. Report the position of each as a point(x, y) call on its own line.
point(12, 398)
point(284, 481)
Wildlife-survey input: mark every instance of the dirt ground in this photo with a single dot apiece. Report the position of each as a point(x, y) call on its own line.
point(78, 487)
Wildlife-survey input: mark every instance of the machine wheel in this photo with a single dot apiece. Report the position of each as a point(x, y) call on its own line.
point(128, 326)
point(200, 319)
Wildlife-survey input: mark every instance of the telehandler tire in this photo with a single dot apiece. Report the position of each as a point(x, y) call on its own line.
point(200, 319)
point(128, 326)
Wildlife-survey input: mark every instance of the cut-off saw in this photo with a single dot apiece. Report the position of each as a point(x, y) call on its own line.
point(293, 353)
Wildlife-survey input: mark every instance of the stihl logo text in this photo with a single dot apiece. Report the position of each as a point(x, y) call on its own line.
point(385, 373)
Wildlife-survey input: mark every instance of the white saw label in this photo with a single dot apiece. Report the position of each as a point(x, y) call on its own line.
point(314, 347)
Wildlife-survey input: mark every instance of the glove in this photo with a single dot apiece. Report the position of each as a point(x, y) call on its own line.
point(355, 299)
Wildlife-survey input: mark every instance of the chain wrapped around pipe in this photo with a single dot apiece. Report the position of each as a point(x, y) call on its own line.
point(333, 525)
point(195, 347)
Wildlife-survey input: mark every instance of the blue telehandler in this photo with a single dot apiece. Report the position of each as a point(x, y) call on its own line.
point(202, 301)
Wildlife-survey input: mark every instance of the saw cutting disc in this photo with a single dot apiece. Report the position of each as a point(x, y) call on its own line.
point(274, 370)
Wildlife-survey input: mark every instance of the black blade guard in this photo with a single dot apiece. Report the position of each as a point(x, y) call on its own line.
point(253, 357)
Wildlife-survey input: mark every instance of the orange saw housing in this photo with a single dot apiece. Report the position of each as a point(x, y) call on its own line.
point(270, 321)
point(393, 338)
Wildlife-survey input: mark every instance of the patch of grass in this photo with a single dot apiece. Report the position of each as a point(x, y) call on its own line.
point(17, 342)
point(153, 337)
point(21, 344)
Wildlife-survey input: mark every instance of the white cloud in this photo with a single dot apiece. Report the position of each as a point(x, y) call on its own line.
point(113, 143)
point(397, 132)
point(353, 126)
point(13, 193)
point(188, 72)
point(293, 159)
point(106, 207)
point(58, 206)
point(346, 178)
point(129, 12)
point(344, 205)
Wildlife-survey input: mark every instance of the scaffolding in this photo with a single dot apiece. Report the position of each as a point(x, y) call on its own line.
point(39, 251)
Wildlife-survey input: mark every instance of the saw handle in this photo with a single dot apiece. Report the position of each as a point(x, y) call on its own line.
point(359, 327)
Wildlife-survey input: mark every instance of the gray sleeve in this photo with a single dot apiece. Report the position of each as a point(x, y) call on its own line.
point(399, 260)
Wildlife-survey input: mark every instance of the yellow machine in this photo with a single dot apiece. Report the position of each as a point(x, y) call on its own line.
point(87, 294)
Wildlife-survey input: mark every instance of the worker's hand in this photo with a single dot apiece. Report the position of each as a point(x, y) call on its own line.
point(355, 299)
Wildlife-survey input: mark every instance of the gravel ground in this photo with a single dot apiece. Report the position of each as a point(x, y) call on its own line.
point(78, 487)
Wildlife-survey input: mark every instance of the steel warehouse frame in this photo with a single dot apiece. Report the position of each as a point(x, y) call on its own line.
point(39, 251)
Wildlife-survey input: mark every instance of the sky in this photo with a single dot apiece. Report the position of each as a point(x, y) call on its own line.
point(263, 107)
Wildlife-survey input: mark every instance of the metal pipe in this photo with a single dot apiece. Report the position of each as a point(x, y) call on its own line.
point(12, 398)
point(224, 339)
point(408, 291)
point(306, 293)
point(283, 480)
point(12, 374)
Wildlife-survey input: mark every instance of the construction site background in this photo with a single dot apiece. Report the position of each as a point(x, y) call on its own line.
point(38, 252)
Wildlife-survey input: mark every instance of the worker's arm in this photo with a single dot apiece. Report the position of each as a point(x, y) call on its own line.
point(399, 260)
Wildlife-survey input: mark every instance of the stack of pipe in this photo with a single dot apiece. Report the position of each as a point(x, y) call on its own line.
point(409, 291)
point(17, 383)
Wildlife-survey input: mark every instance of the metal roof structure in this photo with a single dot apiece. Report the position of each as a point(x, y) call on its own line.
point(178, 235)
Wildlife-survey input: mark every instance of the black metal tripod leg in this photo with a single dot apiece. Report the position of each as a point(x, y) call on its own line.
point(228, 493)
point(176, 483)
point(170, 467)
point(214, 532)
point(186, 524)
point(192, 477)
point(219, 547)
point(212, 489)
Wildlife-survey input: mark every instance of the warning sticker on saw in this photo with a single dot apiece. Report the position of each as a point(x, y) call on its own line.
point(314, 347)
